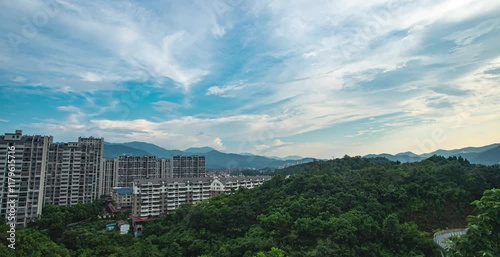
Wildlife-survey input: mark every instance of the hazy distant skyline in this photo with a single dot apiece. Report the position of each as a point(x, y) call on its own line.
point(276, 78)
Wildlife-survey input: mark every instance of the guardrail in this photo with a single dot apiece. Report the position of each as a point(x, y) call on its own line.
point(441, 238)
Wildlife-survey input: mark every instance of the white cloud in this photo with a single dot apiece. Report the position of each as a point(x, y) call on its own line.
point(125, 41)
point(364, 56)
point(90, 76)
point(262, 148)
point(68, 108)
point(309, 54)
point(468, 36)
point(19, 79)
point(217, 143)
point(224, 91)
point(218, 31)
point(165, 106)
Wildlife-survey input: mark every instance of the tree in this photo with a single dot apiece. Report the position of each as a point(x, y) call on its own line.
point(391, 231)
point(483, 231)
point(274, 252)
point(34, 243)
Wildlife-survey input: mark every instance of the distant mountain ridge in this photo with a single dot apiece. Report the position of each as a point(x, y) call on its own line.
point(114, 150)
point(214, 159)
point(205, 149)
point(487, 155)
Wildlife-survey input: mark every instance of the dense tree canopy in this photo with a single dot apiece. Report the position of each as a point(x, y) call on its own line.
point(483, 231)
point(345, 207)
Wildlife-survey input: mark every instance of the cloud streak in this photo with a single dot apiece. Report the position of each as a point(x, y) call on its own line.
point(262, 76)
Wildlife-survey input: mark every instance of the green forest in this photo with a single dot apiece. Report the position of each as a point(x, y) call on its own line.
point(351, 206)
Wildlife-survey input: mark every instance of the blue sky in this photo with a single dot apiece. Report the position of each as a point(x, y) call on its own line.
point(320, 79)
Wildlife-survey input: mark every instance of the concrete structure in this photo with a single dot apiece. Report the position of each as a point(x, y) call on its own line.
point(442, 238)
point(123, 226)
point(122, 197)
point(93, 148)
point(123, 170)
point(108, 175)
point(25, 157)
point(154, 197)
point(130, 168)
point(188, 166)
point(74, 172)
point(229, 184)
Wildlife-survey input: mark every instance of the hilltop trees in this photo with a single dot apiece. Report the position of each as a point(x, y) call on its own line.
point(483, 230)
point(346, 207)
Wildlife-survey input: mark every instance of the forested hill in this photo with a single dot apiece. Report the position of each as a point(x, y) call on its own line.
point(345, 207)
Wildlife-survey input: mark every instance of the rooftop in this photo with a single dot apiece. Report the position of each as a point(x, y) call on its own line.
point(122, 190)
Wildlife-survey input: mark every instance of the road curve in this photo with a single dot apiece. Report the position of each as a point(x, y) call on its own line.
point(442, 238)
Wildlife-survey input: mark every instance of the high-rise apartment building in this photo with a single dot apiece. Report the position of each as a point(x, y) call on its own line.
point(74, 172)
point(188, 166)
point(62, 178)
point(109, 175)
point(122, 171)
point(35, 172)
point(23, 161)
point(93, 175)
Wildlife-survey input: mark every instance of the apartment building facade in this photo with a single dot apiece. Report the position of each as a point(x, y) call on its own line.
point(74, 172)
point(25, 157)
point(122, 197)
point(188, 166)
point(155, 197)
point(122, 171)
point(230, 184)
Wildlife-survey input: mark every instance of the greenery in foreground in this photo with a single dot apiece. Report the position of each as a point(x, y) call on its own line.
point(483, 230)
point(345, 207)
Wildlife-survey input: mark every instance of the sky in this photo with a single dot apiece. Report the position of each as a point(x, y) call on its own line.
point(276, 78)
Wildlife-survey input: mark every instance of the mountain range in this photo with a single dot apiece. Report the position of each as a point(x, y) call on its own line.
point(214, 159)
point(487, 155)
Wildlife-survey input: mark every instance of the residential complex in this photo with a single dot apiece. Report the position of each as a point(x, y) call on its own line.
point(74, 172)
point(25, 184)
point(154, 197)
point(188, 166)
point(122, 171)
point(122, 197)
point(43, 172)
point(35, 171)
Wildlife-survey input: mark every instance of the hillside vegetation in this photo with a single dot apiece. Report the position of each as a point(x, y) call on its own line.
point(345, 207)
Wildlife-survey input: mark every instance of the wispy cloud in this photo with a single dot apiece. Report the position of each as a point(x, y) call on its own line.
point(262, 76)
point(165, 106)
point(224, 91)
point(19, 79)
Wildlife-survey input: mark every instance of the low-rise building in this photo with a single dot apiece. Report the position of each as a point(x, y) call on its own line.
point(154, 197)
point(123, 226)
point(229, 184)
point(122, 197)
